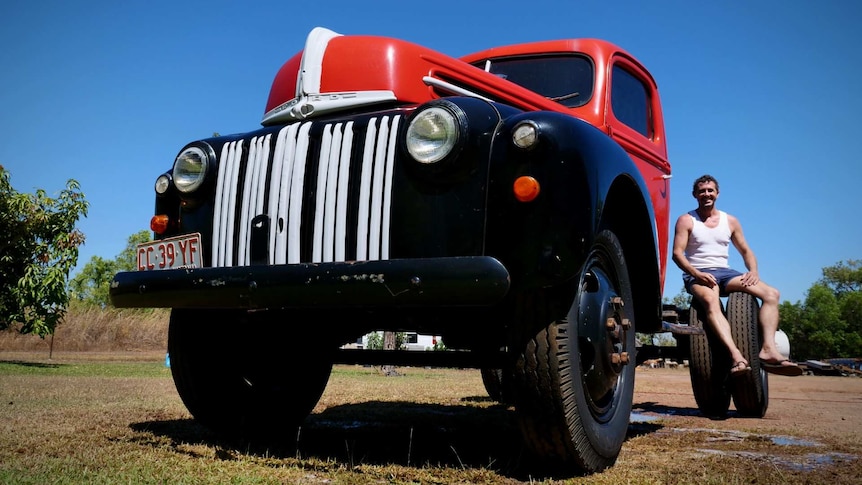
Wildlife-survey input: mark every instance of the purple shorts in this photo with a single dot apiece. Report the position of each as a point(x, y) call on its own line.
point(722, 275)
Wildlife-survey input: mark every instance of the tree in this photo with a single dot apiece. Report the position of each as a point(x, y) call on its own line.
point(844, 277)
point(38, 248)
point(822, 322)
point(680, 300)
point(127, 260)
point(378, 341)
point(829, 322)
point(92, 284)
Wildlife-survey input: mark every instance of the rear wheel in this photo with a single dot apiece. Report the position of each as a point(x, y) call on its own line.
point(751, 390)
point(498, 385)
point(575, 376)
point(709, 367)
point(236, 375)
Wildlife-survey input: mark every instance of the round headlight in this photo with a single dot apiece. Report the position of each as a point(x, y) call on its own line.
point(190, 169)
point(525, 135)
point(432, 134)
point(163, 183)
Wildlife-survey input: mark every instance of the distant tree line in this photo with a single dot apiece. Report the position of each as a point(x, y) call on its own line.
point(829, 322)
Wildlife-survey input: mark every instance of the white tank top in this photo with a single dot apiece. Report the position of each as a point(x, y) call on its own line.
point(708, 247)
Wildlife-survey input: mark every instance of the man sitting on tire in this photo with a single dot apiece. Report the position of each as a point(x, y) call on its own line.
point(700, 249)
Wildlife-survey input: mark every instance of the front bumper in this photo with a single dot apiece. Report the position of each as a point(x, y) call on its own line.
point(398, 283)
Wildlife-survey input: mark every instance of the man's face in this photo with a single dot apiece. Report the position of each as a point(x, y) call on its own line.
point(706, 193)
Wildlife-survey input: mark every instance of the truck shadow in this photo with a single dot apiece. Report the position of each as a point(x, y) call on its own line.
point(389, 433)
point(661, 409)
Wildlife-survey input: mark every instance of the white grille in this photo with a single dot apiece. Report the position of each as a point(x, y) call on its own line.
point(241, 194)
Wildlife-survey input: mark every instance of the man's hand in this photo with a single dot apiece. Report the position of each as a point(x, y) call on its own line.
point(705, 279)
point(750, 279)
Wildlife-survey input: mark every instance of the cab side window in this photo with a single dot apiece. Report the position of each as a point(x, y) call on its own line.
point(630, 102)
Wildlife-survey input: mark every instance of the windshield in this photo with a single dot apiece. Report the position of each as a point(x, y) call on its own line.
point(565, 78)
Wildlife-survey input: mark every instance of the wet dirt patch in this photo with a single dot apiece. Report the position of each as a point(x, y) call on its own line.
point(786, 452)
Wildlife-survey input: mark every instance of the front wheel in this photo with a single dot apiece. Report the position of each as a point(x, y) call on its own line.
point(575, 376)
point(238, 376)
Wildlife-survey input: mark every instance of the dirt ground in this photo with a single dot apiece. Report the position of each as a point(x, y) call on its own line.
point(812, 407)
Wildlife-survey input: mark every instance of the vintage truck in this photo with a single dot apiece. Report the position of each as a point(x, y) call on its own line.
point(514, 201)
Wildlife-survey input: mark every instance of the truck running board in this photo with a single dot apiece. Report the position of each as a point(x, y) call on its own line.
point(680, 329)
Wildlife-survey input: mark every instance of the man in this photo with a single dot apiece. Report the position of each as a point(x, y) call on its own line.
point(700, 249)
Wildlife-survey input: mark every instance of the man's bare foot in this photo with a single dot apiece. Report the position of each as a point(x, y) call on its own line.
point(740, 367)
point(773, 356)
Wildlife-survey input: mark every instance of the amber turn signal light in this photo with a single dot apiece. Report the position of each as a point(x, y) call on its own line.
point(526, 188)
point(159, 223)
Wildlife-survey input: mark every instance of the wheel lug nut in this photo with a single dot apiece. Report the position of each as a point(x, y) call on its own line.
point(626, 323)
point(611, 323)
point(620, 358)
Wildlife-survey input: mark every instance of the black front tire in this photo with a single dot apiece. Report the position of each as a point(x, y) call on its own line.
point(237, 375)
point(574, 377)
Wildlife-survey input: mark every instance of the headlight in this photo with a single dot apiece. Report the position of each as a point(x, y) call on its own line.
point(190, 169)
point(432, 134)
point(163, 183)
point(525, 135)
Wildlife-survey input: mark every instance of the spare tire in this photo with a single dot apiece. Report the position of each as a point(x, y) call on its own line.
point(709, 367)
point(751, 390)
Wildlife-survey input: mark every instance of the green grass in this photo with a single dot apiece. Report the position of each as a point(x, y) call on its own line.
point(84, 369)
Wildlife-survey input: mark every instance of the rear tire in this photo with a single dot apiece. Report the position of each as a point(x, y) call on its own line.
point(498, 385)
point(575, 376)
point(751, 390)
point(709, 368)
point(236, 376)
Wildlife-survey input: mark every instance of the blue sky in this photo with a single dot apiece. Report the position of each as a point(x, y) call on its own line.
point(761, 94)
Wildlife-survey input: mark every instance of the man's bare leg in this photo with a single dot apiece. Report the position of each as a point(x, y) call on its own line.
point(768, 316)
point(709, 299)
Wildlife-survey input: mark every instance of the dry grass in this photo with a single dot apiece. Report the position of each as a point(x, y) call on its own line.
point(104, 410)
point(92, 329)
point(86, 421)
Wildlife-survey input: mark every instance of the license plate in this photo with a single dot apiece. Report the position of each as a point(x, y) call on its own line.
point(172, 253)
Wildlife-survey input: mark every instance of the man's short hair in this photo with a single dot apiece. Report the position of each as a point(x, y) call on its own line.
point(702, 180)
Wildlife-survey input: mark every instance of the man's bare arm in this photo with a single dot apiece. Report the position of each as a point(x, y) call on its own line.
point(738, 239)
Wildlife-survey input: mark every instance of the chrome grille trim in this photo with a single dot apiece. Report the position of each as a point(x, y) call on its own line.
point(273, 182)
point(252, 201)
point(224, 212)
point(340, 249)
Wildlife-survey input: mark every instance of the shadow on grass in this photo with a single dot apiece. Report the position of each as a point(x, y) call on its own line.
point(393, 433)
point(38, 365)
